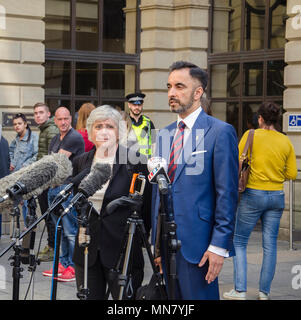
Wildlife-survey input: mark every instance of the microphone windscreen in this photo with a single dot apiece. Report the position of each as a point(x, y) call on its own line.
point(99, 175)
point(63, 171)
point(6, 182)
point(55, 167)
point(64, 168)
point(38, 176)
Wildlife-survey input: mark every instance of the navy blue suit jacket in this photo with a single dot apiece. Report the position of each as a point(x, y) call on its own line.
point(205, 187)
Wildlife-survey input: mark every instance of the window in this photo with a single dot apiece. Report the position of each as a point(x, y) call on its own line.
point(246, 58)
point(89, 55)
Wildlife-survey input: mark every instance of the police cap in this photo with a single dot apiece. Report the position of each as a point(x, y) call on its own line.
point(135, 98)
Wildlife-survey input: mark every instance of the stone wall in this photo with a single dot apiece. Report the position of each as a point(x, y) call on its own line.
point(292, 105)
point(21, 57)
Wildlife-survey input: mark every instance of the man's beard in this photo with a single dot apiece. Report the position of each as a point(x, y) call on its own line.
point(181, 107)
point(136, 113)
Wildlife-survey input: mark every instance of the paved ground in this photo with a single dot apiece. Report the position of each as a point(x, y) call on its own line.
point(286, 284)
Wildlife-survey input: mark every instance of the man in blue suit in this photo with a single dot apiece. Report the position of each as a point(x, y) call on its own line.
point(204, 184)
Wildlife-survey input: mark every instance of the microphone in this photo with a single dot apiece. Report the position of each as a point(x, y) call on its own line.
point(157, 167)
point(73, 182)
point(31, 180)
point(94, 181)
point(49, 172)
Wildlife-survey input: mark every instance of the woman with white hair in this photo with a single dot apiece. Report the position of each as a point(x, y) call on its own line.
point(107, 130)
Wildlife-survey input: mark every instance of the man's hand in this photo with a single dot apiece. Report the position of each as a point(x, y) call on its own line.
point(215, 265)
point(158, 263)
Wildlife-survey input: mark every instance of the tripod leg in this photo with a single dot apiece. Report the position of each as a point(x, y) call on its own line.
point(173, 276)
point(123, 276)
point(84, 290)
point(17, 271)
point(141, 229)
point(17, 257)
point(86, 269)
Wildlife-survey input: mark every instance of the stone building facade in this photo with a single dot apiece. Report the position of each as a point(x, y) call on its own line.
point(156, 33)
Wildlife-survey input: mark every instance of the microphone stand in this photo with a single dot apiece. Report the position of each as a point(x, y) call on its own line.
point(17, 198)
point(85, 210)
point(81, 205)
point(28, 255)
point(16, 244)
point(134, 222)
point(171, 244)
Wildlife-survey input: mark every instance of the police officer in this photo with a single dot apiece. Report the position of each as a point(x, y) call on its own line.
point(141, 124)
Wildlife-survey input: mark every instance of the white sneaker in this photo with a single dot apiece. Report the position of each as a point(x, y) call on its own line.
point(263, 296)
point(235, 295)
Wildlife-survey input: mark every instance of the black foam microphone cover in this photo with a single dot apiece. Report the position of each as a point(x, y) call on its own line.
point(99, 175)
point(38, 176)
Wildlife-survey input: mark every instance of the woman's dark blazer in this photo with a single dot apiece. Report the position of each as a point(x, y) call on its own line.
point(108, 231)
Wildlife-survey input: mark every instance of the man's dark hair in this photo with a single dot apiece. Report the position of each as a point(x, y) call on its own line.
point(41, 104)
point(194, 71)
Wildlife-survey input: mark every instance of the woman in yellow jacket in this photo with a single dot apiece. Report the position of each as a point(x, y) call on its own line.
point(273, 162)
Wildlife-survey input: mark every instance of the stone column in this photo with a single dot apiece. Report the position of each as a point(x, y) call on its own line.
point(130, 45)
point(171, 30)
point(21, 57)
point(292, 105)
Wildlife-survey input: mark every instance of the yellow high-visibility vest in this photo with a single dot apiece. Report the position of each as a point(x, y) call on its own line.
point(143, 135)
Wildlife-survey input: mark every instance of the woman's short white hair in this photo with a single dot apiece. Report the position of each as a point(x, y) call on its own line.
point(105, 112)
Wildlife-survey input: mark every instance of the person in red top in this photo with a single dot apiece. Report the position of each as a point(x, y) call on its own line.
point(83, 114)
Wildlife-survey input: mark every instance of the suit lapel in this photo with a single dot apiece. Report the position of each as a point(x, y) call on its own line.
point(195, 141)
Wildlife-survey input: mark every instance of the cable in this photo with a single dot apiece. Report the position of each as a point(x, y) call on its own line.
point(38, 251)
point(39, 246)
point(55, 243)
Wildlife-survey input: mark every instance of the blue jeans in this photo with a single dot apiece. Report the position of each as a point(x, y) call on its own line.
point(254, 205)
point(69, 228)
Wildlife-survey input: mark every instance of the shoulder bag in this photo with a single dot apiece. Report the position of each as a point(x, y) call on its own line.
point(245, 163)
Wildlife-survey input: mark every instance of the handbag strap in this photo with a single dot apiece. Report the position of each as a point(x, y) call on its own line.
point(249, 144)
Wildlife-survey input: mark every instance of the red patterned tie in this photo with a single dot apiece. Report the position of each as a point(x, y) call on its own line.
point(175, 151)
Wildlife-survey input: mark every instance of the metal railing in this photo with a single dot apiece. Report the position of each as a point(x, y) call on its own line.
point(292, 210)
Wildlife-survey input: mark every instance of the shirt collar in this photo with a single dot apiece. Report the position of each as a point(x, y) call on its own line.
point(190, 120)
